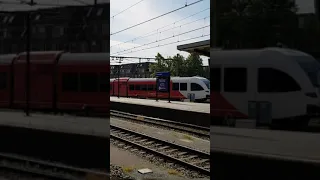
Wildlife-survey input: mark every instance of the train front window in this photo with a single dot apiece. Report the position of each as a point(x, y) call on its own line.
point(207, 82)
point(196, 87)
point(312, 68)
point(274, 81)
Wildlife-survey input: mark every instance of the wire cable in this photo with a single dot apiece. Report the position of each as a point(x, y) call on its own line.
point(164, 39)
point(143, 36)
point(126, 9)
point(168, 44)
point(157, 17)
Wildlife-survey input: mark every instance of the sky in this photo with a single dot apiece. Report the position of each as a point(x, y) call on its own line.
point(168, 29)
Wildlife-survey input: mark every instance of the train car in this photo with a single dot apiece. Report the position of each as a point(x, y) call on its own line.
point(284, 82)
point(42, 74)
point(6, 79)
point(82, 82)
point(58, 81)
point(181, 88)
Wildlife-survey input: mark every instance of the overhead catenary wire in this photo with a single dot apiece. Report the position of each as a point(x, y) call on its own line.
point(174, 28)
point(126, 9)
point(197, 37)
point(163, 39)
point(157, 17)
point(146, 35)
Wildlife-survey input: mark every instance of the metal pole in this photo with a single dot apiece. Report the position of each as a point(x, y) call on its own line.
point(28, 24)
point(169, 84)
point(157, 89)
point(119, 78)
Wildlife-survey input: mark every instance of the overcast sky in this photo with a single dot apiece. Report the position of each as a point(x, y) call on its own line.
point(148, 9)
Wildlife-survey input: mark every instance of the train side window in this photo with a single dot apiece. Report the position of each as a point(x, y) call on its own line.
point(150, 87)
point(175, 86)
point(3, 80)
point(235, 79)
point(272, 80)
point(144, 87)
point(137, 88)
point(70, 82)
point(88, 82)
point(215, 76)
point(131, 87)
point(183, 87)
point(196, 87)
point(104, 82)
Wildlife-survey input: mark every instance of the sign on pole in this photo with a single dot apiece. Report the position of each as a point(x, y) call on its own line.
point(163, 83)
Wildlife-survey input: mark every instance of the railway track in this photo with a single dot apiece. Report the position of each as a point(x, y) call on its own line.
point(39, 168)
point(185, 156)
point(202, 132)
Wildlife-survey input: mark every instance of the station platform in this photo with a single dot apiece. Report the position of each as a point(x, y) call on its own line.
point(280, 153)
point(185, 112)
point(78, 141)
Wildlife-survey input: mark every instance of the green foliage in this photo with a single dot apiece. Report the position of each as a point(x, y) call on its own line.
point(257, 23)
point(178, 65)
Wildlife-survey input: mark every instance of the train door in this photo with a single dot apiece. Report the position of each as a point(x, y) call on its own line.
point(197, 89)
point(115, 87)
point(123, 88)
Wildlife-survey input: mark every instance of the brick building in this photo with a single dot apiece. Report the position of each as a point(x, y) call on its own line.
point(74, 29)
point(133, 70)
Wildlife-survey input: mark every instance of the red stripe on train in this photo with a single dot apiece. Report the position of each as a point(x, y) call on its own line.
point(220, 107)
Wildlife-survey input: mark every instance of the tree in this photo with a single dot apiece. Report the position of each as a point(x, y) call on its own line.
point(257, 23)
point(160, 65)
point(178, 65)
point(194, 65)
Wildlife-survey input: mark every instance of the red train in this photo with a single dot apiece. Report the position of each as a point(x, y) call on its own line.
point(58, 80)
point(181, 88)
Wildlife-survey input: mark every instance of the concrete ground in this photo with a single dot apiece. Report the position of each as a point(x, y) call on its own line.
point(132, 163)
point(171, 136)
point(279, 144)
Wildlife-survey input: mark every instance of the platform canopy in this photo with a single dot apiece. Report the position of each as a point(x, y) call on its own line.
point(201, 47)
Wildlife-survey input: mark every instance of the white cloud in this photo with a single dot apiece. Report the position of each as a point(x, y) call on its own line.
point(149, 9)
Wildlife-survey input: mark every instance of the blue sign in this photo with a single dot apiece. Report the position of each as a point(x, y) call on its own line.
point(163, 74)
point(163, 84)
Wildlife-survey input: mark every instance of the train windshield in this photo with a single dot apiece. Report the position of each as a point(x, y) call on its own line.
point(207, 82)
point(311, 68)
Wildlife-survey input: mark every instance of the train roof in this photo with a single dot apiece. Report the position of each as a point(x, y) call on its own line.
point(7, 58)
point(254, 55)
point(41, 52)
point(67, 58)
point(152, 79)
